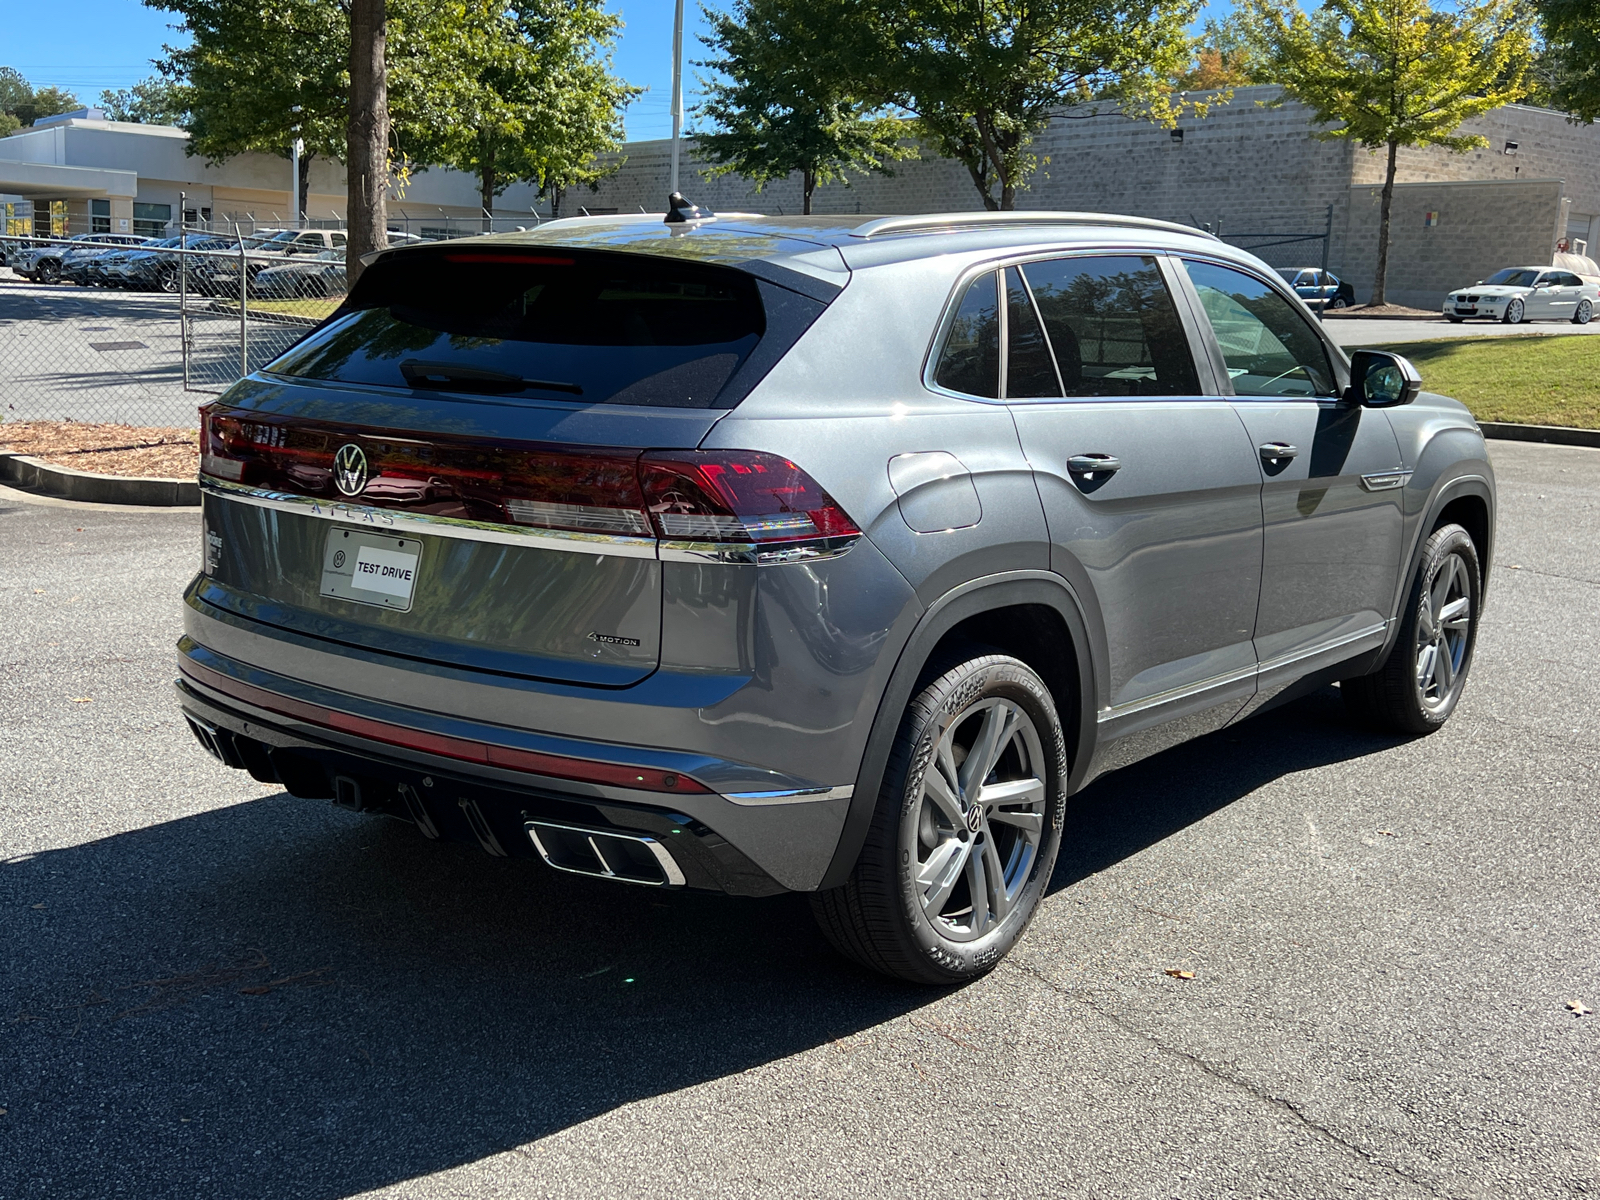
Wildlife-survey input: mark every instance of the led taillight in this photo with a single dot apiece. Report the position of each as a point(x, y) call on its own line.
point(738, 496)
point(220, 454)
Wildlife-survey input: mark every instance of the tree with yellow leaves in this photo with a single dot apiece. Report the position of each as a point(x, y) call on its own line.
point(1392, 73)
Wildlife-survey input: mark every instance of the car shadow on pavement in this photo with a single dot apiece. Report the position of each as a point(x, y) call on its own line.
point(279, 999)
point(1123, 812)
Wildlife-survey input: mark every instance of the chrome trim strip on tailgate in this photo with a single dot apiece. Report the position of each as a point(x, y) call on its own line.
point(793, 796)
point(452, 527)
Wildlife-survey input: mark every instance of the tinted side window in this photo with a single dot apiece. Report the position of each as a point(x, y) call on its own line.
point(1113, 326)
point(1269, 348)
point(970, 360)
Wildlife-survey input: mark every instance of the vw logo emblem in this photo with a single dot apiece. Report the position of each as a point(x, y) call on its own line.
point(974, 818)
point(350, 469)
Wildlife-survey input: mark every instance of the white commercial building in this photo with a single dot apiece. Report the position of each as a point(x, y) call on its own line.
point(80, 173)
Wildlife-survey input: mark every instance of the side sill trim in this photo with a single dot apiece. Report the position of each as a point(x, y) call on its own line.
point(1284, 660)
point(796, 796)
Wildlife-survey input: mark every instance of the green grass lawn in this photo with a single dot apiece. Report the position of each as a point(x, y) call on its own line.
point(1529, 380)
point(317, 308)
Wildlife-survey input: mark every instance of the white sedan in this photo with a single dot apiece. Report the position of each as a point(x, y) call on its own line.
point(1519, 294)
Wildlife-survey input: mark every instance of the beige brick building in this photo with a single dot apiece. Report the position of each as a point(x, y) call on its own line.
point(1248, 168)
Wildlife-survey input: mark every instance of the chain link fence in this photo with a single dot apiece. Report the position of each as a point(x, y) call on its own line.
point(142, 333)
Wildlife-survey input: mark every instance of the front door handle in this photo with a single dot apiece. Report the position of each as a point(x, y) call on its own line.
point(1093, 464)
point(1279, 451)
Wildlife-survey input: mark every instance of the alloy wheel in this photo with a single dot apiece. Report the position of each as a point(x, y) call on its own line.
point(1584, 314)
point(980, 819)
point(1443, 625)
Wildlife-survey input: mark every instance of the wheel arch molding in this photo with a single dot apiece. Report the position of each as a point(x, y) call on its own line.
point(1467, 493)
point(1032, 615)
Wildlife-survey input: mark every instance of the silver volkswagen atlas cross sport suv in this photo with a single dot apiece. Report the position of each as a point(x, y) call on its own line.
point(758, 554)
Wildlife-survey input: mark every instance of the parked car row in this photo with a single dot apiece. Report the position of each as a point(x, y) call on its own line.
point(296, 262)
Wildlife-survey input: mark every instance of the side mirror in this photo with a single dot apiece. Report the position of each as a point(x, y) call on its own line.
point(1379, 379)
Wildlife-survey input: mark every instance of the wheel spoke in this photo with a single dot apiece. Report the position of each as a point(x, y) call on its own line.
point(941, 873)
point(937, 788)
point(1440, 592)
point(1013, 791)
point(985, 748)
point(1456, 614)
point(999, 902)
point(1444, 669)
point(978, 885)
point(1425, 659)
point(1028, 822)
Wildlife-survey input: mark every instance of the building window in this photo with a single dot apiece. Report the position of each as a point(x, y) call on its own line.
point(151, 220)
point(99, 216)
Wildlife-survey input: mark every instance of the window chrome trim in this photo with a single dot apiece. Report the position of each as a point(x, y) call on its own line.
point(450, 527)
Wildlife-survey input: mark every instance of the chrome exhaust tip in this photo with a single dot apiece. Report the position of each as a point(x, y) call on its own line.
point(605, 854)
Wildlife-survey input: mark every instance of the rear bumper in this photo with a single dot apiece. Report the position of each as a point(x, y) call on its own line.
point(752, 841)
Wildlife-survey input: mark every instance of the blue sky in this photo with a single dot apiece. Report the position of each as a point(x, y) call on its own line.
point(109, 44)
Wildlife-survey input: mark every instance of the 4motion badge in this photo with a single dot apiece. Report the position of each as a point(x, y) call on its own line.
point(611, 639)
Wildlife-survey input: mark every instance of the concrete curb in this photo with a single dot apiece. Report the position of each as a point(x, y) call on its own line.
point(31, 475)
point(1556, 435)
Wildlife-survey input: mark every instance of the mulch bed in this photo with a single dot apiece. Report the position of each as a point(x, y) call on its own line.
point(1383, 310)
point(139, 450)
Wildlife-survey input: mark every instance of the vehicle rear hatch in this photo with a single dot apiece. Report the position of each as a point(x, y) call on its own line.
point(465, 466)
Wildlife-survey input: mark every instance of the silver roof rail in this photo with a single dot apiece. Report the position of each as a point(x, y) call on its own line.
point(929, 222)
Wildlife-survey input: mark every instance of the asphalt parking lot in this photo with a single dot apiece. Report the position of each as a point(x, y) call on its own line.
point(1376, 331)
point(208, 988)
point(96, 354)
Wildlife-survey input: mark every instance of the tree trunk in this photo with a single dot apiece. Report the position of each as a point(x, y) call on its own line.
point(303, 199)
point(486, 181)
point(367, 136)
point(1008, 197)
point(556, 193)
point(808, 184)
point(1380, 279)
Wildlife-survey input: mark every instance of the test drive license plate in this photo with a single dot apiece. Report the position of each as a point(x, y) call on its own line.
point(371, 568)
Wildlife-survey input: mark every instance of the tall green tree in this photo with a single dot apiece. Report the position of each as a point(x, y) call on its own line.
point(1392, 73)
point(780, 103)
point(153, 101)
point(1572, 55)
point(984, 77)
point(537, 101)
point(21, 104)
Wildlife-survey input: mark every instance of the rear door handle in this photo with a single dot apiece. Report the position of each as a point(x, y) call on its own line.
point(1093, 464)
point(1279, 451)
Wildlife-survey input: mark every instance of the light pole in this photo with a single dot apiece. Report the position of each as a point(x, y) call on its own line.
point(295, 151)
point(677, 88)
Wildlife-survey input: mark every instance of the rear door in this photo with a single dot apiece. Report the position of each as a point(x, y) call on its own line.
point(1330, 475)
point(1150, 488)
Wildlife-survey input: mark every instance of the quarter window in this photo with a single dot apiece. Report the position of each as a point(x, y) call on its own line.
point(1269, 348)
point(1113, 326)
point(970, 360)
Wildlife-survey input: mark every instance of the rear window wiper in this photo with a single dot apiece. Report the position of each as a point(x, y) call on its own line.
point(450, 375)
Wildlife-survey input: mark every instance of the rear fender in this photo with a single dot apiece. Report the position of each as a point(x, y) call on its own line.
point(973, 599)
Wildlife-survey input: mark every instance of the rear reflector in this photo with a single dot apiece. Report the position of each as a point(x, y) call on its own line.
point(557, 766)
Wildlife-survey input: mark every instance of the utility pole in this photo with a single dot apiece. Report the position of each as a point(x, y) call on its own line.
point(677, 89)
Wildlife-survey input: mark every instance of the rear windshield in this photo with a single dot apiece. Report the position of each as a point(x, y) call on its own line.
point(589, 327)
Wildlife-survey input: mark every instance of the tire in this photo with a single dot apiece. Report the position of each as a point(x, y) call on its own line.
point(1455, 320)
point(1338, 302)
point(1420, 683)
point(167, 281)
point(907, 909)
point(48, 272)
point(1583, 314)
point(1515, 313)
